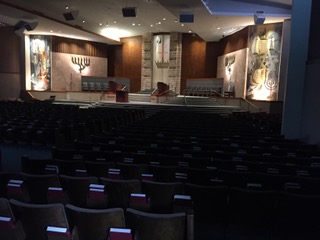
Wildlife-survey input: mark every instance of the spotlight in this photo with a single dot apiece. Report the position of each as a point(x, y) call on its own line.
point(259, 17)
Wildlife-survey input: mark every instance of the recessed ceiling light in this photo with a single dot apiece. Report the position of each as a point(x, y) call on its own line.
point(139, 24)
point(51, 31)
point(151, 25)
point(218, 28)
point(164, 19)
point(114, 21)
point(133, 24)
point(83, 21)
point(159, 23)
point(190, 31)
point(182, 25)
point(67, 7)
point(100, 24)
point(176, 20)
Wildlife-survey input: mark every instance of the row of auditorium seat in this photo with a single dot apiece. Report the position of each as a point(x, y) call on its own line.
point(230, 173)
point(228, 213)
point(22, 221)
point(39, 123)
point(95, 86)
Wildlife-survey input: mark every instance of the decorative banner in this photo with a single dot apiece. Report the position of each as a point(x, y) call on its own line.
point(40, 59)
point(264, 62)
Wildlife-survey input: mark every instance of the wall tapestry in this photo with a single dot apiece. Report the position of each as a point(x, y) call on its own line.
point(40, 59)
point(264, 62)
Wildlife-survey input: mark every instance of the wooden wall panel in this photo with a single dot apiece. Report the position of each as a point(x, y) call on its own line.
point(131, 61)
point(10, 51)
point(199, 58)
point(234, 42)
point(79, 47)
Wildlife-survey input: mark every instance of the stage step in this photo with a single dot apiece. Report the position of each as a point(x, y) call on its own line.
point(136, 97)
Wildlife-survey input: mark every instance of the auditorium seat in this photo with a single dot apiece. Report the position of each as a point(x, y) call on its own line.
point(69, 167)
point(35, 218)
point(250, 213)
point(161, 194)
point(132, 171)
point(163, 173)
point(296, 217)
point(95, 223)
point(37, 186)
point(210, 210)
point(99, 168)
point(119, 191)
point(5, 177)
point(77, 188)
point(85, 86)
point(35, 165)
point(10, 229)
point(154, 226)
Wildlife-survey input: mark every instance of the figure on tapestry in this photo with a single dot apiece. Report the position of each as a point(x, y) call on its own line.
point(264, 62)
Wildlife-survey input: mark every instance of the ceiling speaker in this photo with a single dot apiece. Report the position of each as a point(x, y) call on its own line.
point(69, 16)
point(186, 18)
point(22, 25)
point(129, 12)
point(259, 18)
point(31, 26)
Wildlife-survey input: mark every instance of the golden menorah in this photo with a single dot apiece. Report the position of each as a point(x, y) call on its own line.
point(82, 62)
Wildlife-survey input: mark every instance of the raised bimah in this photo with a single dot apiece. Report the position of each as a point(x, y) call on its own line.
point(162, 93)
point(122, 96)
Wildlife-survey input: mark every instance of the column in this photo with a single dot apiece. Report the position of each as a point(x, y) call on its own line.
point(310, 130)
point(298, 54)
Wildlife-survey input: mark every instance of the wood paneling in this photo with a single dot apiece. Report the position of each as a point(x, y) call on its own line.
point(199, 58)
point(132, 57)
point(10, 51)
point(79, 47)
point(234, 42)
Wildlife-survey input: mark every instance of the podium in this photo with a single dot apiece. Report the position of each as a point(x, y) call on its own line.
point(121, 96)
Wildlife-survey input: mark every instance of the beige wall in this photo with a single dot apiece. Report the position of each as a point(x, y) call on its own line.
point(238, 74)
point(66, 75)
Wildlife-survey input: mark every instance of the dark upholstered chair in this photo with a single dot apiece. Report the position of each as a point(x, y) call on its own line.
point(35, 165)
point(35, 218)
point(5, 177)
point(210, 210)
point(37, 186)
point(146, 226)
point(250, 213)
point(12, 230)
point(76, 188)
point(297, 216)
point(119, 191)
point(161, 195)
point(94, 223)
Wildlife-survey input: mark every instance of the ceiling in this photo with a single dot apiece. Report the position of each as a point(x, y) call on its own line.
point(95, 19)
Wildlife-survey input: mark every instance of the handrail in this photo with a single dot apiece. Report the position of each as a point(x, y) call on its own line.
point(217, 93)
point(156, 89)
point(164, 92)
point(251, 104)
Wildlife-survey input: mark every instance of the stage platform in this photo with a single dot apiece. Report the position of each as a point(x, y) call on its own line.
point(92, 99)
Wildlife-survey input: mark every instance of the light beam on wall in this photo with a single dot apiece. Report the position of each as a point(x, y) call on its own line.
point(115, 33)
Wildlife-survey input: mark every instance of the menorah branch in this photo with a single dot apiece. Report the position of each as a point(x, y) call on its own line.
point(82, 62)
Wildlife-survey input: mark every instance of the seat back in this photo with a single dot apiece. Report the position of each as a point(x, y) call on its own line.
point(154, 226)
point(119, 191)
point(37, 186)
point(77, 188)
point(161, 194)
point(36, 217)
point(94, 223)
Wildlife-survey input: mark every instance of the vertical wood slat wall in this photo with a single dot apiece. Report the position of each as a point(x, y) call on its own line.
point(79, 47)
